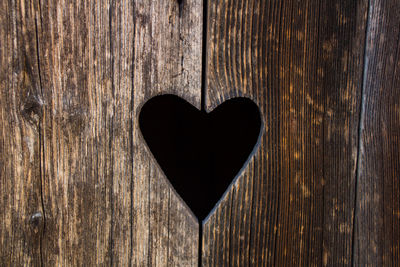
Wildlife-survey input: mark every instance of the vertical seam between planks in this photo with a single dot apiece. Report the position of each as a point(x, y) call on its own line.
point(132, 132)
point(41, 141)
point(204, 57)
point(168, 224)
point(150, 243)
point(149, 220)
point(110, 11)
point(360, 129)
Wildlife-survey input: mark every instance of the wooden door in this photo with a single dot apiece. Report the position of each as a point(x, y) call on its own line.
point(79, 186)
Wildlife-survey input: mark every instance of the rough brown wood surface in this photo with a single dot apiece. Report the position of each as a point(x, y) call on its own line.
point(377, 231)
point(74, 75)
point(20, 146)
point(302, 63)
point(78, 185)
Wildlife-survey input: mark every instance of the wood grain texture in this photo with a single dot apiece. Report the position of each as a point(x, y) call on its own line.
point(20, 147)
point(377, 238)
point(302, 63)
point(78, 185)
point(73, 130)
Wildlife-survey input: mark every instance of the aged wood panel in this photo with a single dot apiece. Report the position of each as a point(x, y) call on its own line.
point(21, 219)
point(377, 238)
point(79, 187)
point(302, 63)
point(69, 126)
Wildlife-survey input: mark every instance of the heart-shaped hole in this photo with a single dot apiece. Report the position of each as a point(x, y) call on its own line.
point(200, 153)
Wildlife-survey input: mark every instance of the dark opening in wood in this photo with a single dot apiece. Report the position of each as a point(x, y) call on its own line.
point(200, 153)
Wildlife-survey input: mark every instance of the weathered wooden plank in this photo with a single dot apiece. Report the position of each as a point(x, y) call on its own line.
point(302, 63)
point(377, 232)
point(74, 76)
point(106, 202)
point(167, 53)
point(21, 220)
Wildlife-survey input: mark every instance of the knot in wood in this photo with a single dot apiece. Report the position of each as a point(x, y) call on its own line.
point(32, 108)
point(36, 222)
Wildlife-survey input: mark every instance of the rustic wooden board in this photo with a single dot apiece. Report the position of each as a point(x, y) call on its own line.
point(78, 186)
point(20, 146)
point(302, 63)
point(377, 238)
point(69, 126)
